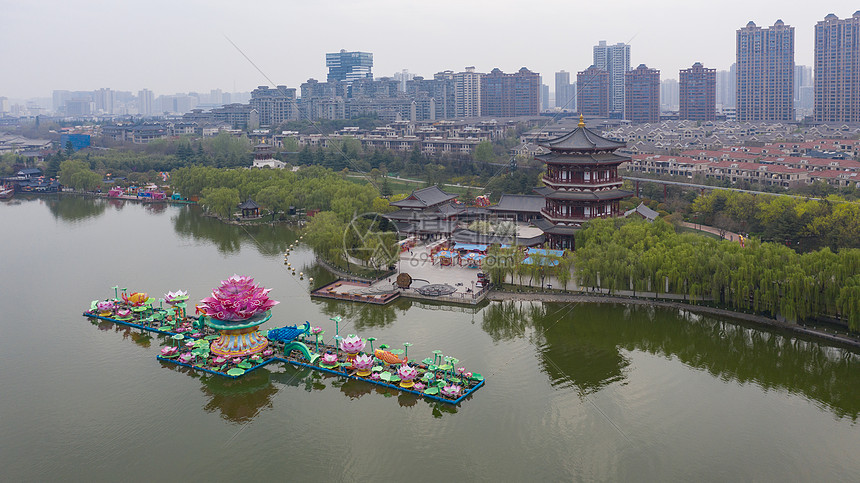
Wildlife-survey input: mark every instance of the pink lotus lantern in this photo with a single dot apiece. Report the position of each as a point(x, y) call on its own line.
point(375, 376)
point(268, 352)
point(186, 357)
point(219, 360)
point(461, 370)
point(105, 307)
point(238, 298)
point(237, 309)
point(176, 297)
point(316, 330)
point(452, 391)
point(419, 386)
point(363, 363)
point(169, 351)
point(123, 314)
point(352, 345)
point(329, 360)
point(407, 373)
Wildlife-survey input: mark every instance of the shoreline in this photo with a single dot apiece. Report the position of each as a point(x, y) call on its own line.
point(502, 295)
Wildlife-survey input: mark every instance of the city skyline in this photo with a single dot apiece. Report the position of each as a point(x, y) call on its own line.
point(56, 45)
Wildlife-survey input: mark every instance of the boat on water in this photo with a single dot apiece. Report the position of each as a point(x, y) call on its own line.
point(6, 192)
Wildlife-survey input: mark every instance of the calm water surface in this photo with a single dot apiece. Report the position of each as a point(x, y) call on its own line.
point(574, 392)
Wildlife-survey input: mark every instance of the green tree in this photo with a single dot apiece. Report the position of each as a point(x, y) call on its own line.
point(221, 201)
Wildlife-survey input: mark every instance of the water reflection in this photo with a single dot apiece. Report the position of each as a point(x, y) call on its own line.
point(581, 344)
point(74, 208)
point(269, 240)
point(237, 400)
point(139, 337)
point(363, 315)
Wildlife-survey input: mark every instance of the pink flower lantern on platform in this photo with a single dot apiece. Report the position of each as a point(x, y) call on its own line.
point(352, 345)
point(452, 391)
point(237, 299)
point(363, 363)
point(237, 309)
point(105, 307)
point(407, 373)
point(329, 360)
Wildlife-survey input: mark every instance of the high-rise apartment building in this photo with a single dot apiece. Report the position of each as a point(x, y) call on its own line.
point(467, 93)
point(508, 95)
point(274, 106)
point(727, 87)
point(669, 95)
point(837, 69)
point(642, 94)
point(348, 66)
point(614, 59)
point(592, 92)
point(104, 99)
point(564, 93)
point(802, 78)
point(765, 73)
point(697, 93)
point(544, 96)
point(145, 101)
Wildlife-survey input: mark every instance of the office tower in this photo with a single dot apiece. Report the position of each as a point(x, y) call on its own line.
point(726, 87)
point(508, 95)
point(467, 93)
point(669, 95)
point(642, 94)
point(837, 69)
point(765, 73)
point(614, 59)
point(145, 100)
point(563, 94)
point(348, 66)
point(698, 93)
point(592, 97)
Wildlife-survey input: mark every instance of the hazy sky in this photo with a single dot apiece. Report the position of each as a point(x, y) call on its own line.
point(179, 45)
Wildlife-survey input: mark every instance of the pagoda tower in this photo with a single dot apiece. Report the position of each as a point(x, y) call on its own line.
point(581, 183)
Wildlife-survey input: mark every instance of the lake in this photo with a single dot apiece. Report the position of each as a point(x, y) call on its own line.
point(574, 391)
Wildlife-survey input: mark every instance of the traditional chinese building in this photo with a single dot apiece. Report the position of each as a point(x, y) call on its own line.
point(581, 183)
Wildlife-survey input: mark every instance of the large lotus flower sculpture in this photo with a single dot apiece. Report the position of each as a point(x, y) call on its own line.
point(352, 344)
point(176, 297)
point(238, 298)
point(135, 299)
point(451, 391)
point(105, 306)
point(407, 372)
point(363, 363)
